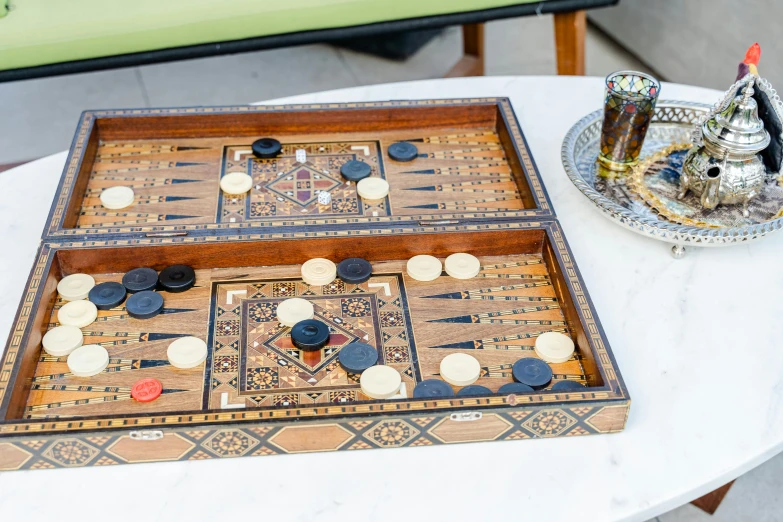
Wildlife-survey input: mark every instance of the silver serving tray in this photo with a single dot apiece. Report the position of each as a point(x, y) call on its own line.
point(673, 122)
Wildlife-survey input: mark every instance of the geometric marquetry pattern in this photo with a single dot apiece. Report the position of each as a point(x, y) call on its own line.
point(230, 443)
point(267, 206)
point(549, 423)
point(255, 361)
point(581, 411)
point(70, 452)
point(261, 440)
point(283, 187)
point(389, 433)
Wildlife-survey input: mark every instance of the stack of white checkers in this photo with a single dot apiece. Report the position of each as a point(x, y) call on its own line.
point(460, 369)
point(380, 382)
point(88, 360)
point(187, 352)
point(319, 272)
point(75, 287)
point(236, 183)
point(372, 188)
point(116, 198)
point(429, 268)
point(293, 310)
point(62, 340)
point(77, 313)
point(554, 347)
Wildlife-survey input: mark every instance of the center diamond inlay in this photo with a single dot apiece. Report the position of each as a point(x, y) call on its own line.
point(254, 362)
point(270, 361)
point(302, 184)
point(281, 343)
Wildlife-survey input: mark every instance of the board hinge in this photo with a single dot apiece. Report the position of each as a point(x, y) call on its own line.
point(146, 435)
point(466, 416)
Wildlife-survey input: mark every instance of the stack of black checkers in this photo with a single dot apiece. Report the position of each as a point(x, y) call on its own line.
point(532, 372)
point(108, 295)
point(266, 148)
point(140, 280)
point(354, 170)
point(357, 357)
point(515, 387)
point(142, 285)
point(474, 390)
point(566, 386)
point(176, 278)
point(432, 389)
point(354, 270)
point(310, 335)
point(403, 151)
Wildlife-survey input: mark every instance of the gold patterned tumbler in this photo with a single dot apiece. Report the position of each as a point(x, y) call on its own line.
point(628, 108)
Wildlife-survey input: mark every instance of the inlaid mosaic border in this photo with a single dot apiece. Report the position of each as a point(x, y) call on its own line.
point(42, 451)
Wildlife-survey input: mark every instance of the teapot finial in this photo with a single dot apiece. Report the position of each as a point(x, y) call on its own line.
point(737, 128)
point(748, 91)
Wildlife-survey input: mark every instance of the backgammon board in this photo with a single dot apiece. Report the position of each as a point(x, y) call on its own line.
point(473, 187)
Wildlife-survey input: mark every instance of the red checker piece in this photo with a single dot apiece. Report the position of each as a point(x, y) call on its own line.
point(147, 390)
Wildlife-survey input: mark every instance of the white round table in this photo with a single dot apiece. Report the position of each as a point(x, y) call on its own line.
point(698, 341)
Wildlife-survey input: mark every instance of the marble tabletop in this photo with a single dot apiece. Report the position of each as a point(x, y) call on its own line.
point(697, 341)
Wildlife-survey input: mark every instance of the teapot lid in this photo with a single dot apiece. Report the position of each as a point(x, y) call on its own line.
point(738, 127)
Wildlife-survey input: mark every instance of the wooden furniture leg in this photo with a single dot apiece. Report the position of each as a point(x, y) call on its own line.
point(472, 61)
point(570, 42)
point(710, 502)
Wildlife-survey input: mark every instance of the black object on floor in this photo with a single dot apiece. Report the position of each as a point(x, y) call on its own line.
point(395, 46)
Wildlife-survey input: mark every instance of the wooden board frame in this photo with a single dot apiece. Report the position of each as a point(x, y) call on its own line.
point(95, 126)
point(35, 443)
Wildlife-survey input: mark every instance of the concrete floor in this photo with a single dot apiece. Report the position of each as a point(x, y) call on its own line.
point(39, 118)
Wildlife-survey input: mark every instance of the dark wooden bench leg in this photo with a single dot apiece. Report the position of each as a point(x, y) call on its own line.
point(710, 502)
point(570, 31)
point(472, 61)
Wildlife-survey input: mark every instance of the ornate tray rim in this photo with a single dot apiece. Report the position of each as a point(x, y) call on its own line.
point(663, 231)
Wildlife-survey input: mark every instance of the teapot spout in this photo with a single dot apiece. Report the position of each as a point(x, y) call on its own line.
point(710, 197)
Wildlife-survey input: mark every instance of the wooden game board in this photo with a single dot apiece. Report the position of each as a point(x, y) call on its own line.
point(473, 164)
point(257, 394)
point(253, 363)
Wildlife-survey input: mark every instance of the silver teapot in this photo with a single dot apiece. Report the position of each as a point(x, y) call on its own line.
point(724, 166)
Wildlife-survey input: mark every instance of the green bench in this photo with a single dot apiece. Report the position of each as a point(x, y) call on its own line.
point(50, 37)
